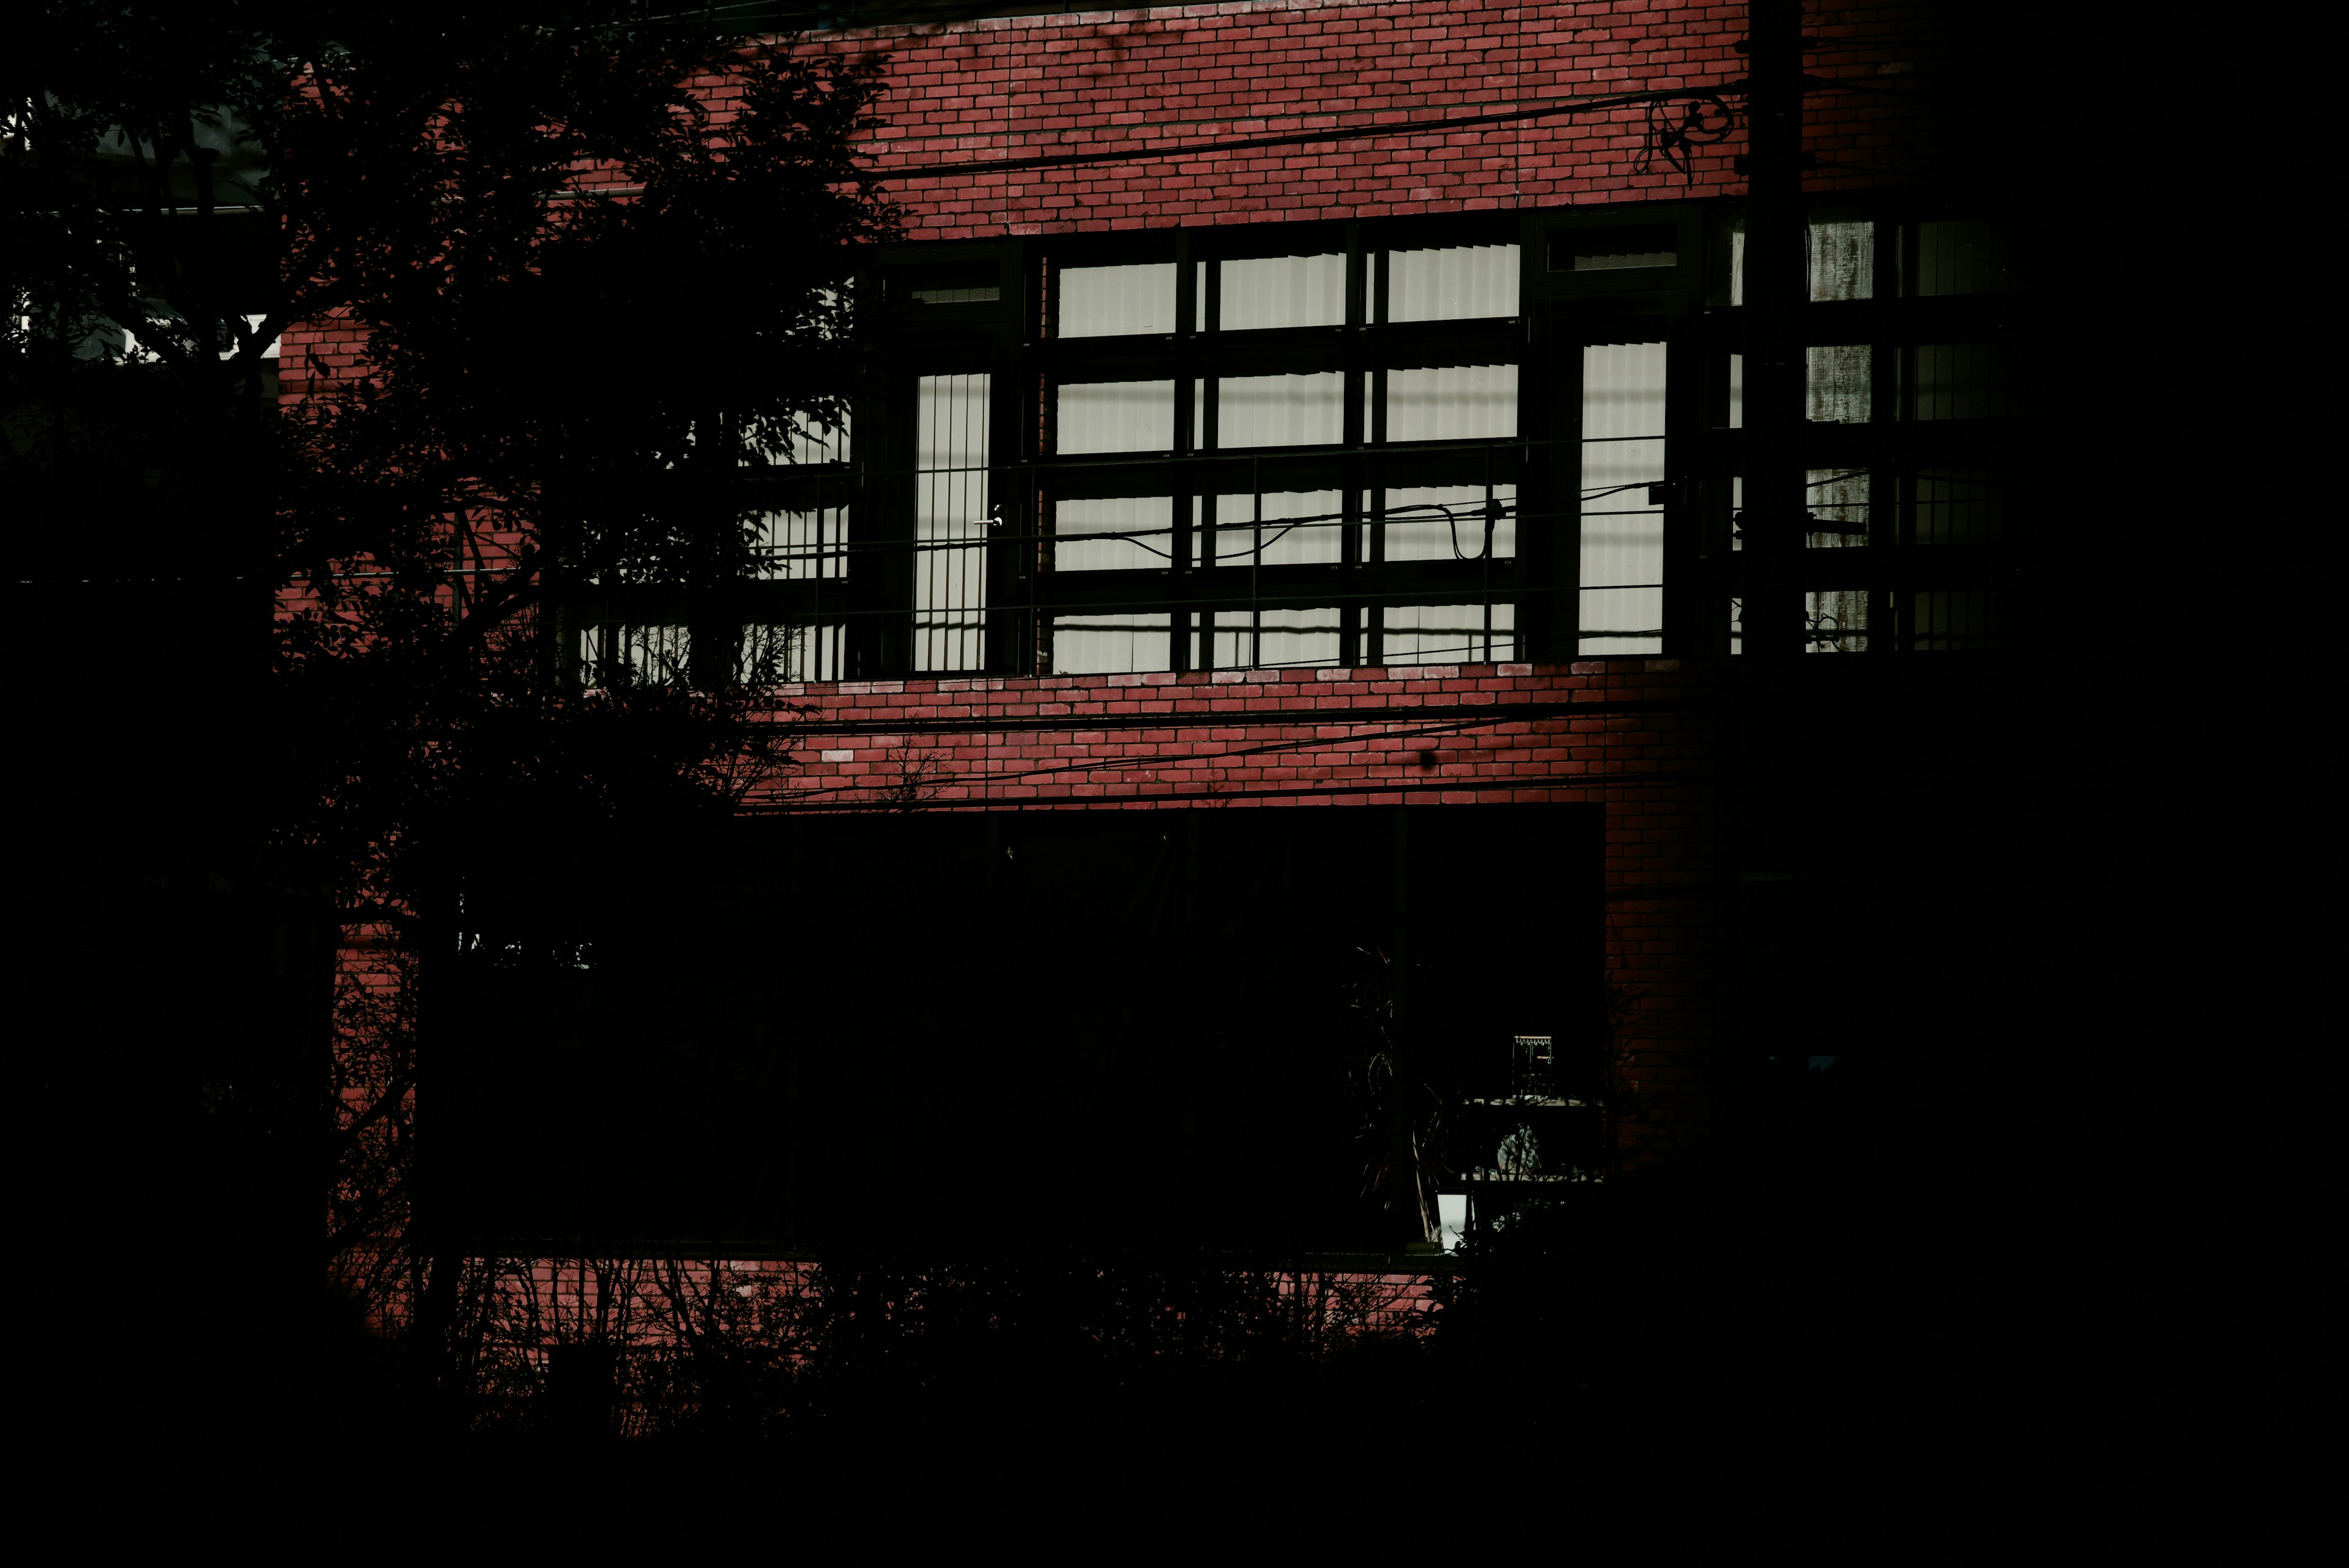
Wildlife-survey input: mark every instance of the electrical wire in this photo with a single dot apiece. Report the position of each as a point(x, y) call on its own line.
point(1370, 132)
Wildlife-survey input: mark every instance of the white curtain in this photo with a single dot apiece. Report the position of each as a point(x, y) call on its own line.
point(1282, 291)
point(1300, 528)
point(1279, 410)
point(1116, 416)
point(1117, 301)
point(1457, 284)
point(1452, 403)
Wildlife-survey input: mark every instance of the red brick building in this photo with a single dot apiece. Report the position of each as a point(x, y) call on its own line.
point(1344, 405)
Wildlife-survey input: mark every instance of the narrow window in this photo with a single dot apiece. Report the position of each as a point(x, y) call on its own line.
point(1462, 283)
point(1117, 301)
point(1282, 291)
point(1622, 529)
point(1452, 402)
point(950, 523)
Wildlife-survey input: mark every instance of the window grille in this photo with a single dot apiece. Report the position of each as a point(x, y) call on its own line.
point(951, 522)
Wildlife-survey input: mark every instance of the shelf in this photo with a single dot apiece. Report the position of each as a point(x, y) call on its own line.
point(1537, 1102)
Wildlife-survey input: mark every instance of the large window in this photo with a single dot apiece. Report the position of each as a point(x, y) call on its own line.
point(1911, 448)
point(1457, 439)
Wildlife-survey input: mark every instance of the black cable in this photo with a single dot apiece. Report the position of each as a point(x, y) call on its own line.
point(1303, 138)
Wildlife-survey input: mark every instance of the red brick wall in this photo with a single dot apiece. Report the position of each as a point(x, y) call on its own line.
point(1101, 80)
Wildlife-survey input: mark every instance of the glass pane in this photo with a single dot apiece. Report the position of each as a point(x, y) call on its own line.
point(950, 522)
point(1612, 250)
point(1446, 522)
point(818, 444)
point(1961, 382)
point(813, 652)
point(1836, 383)
point(1462, 283)
point(1109, 644)
point(651, 655)
point(1452, 403)
point(798, 545)
point(1960, 258)
point(1148, 520)
point(1622, 540)
point(1288, 637)
point(1958, 508)
point(1447, 634)
point(1949, 621)
point(1283, 291)
point(1838, 621)
point(1843, 258)
point(1279, 410)
point(1300, 528)
point(1116, 416)
point(1117, 301)
point(1839, 509)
